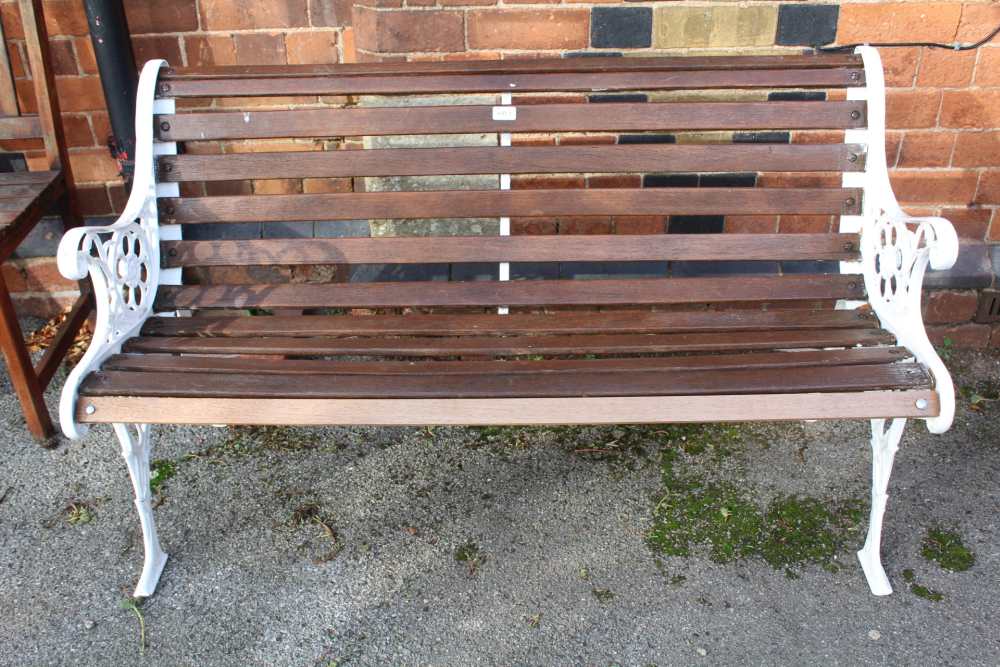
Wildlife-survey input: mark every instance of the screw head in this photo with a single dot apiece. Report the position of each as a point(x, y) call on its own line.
point(850, 201)
point(165, 126)
point(921, 403)
point(855, 114)
point(855, 76)
point(853, 157)
point(164, 87)
point(90, 409)
point(172, 252)
point(848, 246)
point(851, 285)
point(169, 210)
point(168, 167)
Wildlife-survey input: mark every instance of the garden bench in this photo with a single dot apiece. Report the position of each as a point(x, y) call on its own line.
point(703, 327)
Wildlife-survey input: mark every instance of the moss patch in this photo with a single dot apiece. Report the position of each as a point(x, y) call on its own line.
point(921, 591)
point(256, 440)
point(160, 471)
point(945, 548)
point(695, 512)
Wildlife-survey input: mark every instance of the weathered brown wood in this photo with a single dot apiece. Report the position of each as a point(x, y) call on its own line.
point(56, 352)
point(402, 84)
point(28, 177)
point(514, 203)
point(22, 375)
point(513, 160)
point(15, 223)
point(579, 384)
point(190, 363)
point(512, 411)
point(21, 191)
point(8, 94)
point(513, 293)
point(19, 127)
point(590, 64)
point(36, 43)
point(516, 345)
point(456, 249)
point(530, 118)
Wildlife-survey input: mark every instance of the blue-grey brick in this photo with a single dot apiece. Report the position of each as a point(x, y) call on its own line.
point(43, 240)
point(973, 270)
point(621, 27)
point(807, 24)
point(222, 231)
point(696, 224)
point(335, 229)
point(288, 230)
point(691, 269)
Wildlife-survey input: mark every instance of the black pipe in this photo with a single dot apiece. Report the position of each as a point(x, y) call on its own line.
point(119, 78)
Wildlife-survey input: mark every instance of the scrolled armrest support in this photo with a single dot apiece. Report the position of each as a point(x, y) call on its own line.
point(122, 260)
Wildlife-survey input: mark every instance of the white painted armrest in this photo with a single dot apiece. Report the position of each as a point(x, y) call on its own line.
point(122, 259)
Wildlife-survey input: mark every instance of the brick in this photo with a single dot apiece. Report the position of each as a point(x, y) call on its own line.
point(718, 25)
point(639, 224)
point(150, 47)
point(327, 185)
point(971, 108)
point(911, 108)
point(584, 224)
point(93, 166)
point(308, 48)
point(587, 139)
point(241, 15)
point(330, 13)
point(65, 17)
point(347, 46)
point(467, 3)
point(63, 57)
point(44, 305)
point(530, 182)
point(751, 224)
point(804, 224)
point(80, 93)
point(945, 306)
point(900, 65)
point(988, 67)
point(85, 55)
point(977, 149)
point(529, 29)
point(950, 69)
point(989, 187)
point(695, 224)
point(158, 17)
point(621, 27)
point(898, 22)
point(969, 222)
point(919, 187)
point(532, 226)
point(963, 335)
point(926, 149)
point(77, 131)
point(210, 50)
point(972, 270)
point(93, 201)
point(39, 274)
point(260, 49)
point(807, 24)
point(615, 181)
point(398, 32)
point(277, 186)
point(977, 20)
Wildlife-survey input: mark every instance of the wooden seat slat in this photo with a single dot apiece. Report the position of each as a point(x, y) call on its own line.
point(516, 345)
point(516, 160)
point(187, 363)
point(404, 84)
point(578, 384)
point(513, 293)
point(589, 64)
point(626, 321)
point(513, 203)
point(618, 116)
point(457, 249)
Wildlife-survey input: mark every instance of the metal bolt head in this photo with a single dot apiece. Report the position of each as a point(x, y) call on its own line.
point(855, 76)
point(853, 157)
point(921, 404)
point(169, 210)
point(850, 201)
point(90, 409)
point(851, 285)
point(165, 126)
point(848, 247)
point(164, 87)
point(855, 114)
point(168, 167)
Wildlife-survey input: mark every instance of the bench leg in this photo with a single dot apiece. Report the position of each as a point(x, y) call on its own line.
point(885, 443)
point(135, 443)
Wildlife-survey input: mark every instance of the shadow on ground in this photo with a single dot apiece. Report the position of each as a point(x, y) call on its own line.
point(596, 546)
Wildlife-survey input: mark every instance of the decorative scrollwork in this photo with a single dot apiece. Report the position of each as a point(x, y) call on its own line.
point(123, 258)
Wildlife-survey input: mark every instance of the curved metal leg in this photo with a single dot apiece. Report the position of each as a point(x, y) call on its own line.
point(885, 444)
point(135, 443)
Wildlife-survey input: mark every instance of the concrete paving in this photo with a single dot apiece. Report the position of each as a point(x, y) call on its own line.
point(556, 569)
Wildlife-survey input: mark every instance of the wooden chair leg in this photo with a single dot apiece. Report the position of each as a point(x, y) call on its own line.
point(22, 374)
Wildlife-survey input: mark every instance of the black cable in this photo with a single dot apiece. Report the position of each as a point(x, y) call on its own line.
point(932, 45)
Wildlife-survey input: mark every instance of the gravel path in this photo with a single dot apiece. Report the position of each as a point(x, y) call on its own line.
point(472, 547)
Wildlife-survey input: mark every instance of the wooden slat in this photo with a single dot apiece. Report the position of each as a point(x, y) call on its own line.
point(629, 321)
point(513, 160)
point(513, 293)
point(20, 191)
point(515, 346)
point(513, 203)
point(190, 363)
point(16, 222)
point(28, 177)
point(357, 121)
point(590, 64)
point(403, 84)
point(511, 411)
point(20, 127)
point(457, 249)
point(613, 383)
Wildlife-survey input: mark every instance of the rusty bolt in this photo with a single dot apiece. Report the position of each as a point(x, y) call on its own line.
point(855, 114)
point(848, 246)
point(168, 167)
point(850, 201)
point(851, 285)
point(169, 210)
point(165, 126)
point(172, 252)
point(853, 157)
point(164, 87)
point(855, 76)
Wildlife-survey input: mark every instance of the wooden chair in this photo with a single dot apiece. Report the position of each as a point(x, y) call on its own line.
point(734, 326)
point(24, 198)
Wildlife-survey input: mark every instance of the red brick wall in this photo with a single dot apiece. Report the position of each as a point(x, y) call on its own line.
point(944, 107)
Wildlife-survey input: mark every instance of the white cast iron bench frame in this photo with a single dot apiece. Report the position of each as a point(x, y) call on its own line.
point(123, 262)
